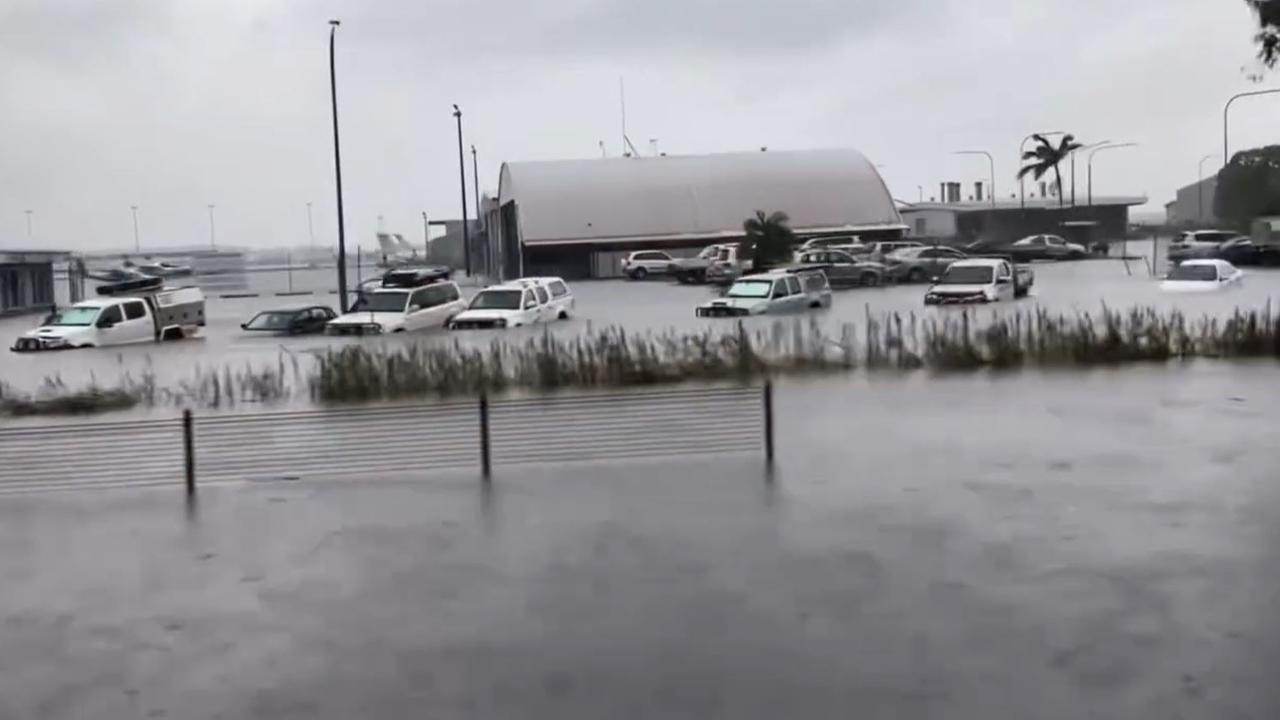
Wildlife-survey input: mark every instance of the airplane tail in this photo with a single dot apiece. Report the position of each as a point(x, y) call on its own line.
point(386, 245)
point(404, 246)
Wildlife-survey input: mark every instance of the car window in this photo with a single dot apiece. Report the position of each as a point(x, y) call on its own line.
point(111, 314)
point(529, 300)
point(780, 289)
point(543, 297)
point(793, 285)
point(429, 297)
point(559, 289)
point(134, 310)
point(839, 257)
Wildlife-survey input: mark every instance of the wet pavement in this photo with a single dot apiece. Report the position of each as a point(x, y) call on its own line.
point(1096, 544)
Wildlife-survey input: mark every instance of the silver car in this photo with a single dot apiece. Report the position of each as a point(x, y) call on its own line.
point(841, 268)
point(919, 264)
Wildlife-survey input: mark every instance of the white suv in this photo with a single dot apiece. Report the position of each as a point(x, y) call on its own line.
point(560, 302)
point(516, 304)
point(400, 309)
point(641, 264)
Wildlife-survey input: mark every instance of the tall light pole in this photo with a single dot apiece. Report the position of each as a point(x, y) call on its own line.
point(28, 213)
point(337, 172)
point(475, 181)
point(920, 190)
point(1200, 188)
point(462, 174)
point(990, 162)
point(137, 244)
point(1073, 165)
point(1097, 150)
point(1022, 148)
point(212, 238)
point(311, 237)
point(1226, 108)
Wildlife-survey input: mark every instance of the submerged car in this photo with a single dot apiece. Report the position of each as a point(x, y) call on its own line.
point(305, 320)
point(400, 309)
point(920, 264)
point(980, 280)
point(516, 304)
point(841, 268)
point(1202, 276)
point(1198, 244)
point(1046, 247)
point(779, 291)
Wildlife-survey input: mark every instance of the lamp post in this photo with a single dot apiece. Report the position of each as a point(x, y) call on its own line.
point(1073, 165)
point(311, 238)
point(1022, 148)
point(475, 181)
point(920, 191)
point(1097, 150)
point(462, 175)
point(137, 244)
point(28, 214)
point(991, 162)
point(1226, 108)
point(212, 240)
point(1200, 188)
point(337, 173)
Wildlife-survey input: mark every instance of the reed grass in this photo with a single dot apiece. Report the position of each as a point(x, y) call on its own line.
point(615, 357)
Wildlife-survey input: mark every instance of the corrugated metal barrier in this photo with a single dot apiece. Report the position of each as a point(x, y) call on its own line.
point(367, 441)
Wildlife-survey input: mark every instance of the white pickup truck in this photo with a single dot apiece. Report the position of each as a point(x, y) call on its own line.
point(980, 280)
point(771, 293)
point(132, 312)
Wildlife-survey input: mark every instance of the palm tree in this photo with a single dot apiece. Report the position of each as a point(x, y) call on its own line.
point(768, 239)
point(1046, 155)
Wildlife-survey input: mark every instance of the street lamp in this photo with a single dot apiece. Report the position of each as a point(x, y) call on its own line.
point(1073, 165)
point(337, 172)
point(1200, 188)
point(1022, 148)
point(1097, 150)
point(137, 245)
point(475, 181)
point(1226, 108)
point(462, 174)
point(212, 243)
point(991, 162)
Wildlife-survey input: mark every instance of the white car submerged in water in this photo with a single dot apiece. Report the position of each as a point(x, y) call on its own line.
point(1192, 276)
point(771, 293)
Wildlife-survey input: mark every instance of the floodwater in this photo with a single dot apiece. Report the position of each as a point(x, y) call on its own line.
point(1056, 546)
point(653, 305)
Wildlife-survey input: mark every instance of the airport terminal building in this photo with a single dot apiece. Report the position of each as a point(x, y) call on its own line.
point(578, 218)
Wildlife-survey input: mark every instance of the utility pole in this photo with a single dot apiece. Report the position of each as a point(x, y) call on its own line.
point(28, 213)
point(475, 181)
point(137, 244)
point(311, 238)
point(337, 172)
point(462, 174)
point(212, 243)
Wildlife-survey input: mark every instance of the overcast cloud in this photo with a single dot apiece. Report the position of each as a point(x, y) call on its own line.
point(172, 105)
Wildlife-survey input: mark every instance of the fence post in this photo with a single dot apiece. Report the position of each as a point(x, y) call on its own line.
point(189, 450)
point(768, 421)
point(485, 463)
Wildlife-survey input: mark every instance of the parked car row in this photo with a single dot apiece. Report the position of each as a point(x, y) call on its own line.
point(1222, 245)
point(414, 300)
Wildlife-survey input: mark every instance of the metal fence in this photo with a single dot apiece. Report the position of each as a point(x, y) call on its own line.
point(369, 441)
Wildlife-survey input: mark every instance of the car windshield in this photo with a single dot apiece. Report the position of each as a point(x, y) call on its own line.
point(497, 300)
point(271, 320)
point(1195, 273)
point(971, 275)
point(382, 302)
point(709, 252)
point(907, 253)
point(751, 289)
point(75, 317)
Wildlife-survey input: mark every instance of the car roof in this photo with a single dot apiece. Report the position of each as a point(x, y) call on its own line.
point(1208, 261)
point(974, 262)
point(295, 308)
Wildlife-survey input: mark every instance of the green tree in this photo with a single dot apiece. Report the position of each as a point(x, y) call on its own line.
point(1047, 156)
point(1249, 187)
point(768, 240)
point(1268, 36)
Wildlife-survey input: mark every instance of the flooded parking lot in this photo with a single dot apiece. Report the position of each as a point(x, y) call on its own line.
point(654, 305)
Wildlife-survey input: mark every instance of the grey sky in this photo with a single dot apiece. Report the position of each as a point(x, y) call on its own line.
point(174, 105)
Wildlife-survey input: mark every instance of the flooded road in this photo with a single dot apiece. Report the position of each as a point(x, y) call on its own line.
point(1048, 546)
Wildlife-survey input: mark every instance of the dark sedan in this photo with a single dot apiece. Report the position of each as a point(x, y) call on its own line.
point(1244, 251)
point(291, 321)
point(841, 268)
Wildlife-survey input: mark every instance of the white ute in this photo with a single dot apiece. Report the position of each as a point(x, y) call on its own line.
point(409, 300)
point(137, 311)
point(771, 293)
point(1201, 276)
point(980, 280)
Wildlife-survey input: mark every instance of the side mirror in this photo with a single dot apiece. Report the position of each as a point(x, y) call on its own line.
point(244, 326)
point(414, 308)
point(1003, 281)
point(106, 323)
point(530, 305)
point(934, 279)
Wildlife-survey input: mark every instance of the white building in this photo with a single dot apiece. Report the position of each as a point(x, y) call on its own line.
point(576, 218)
